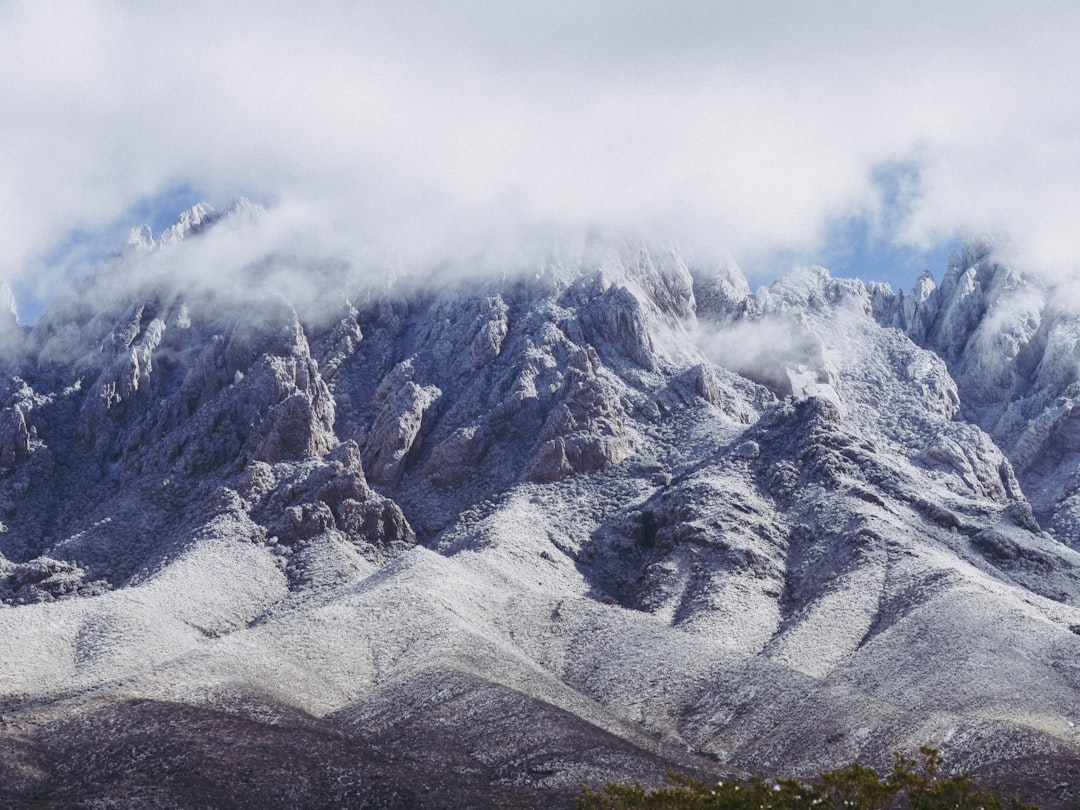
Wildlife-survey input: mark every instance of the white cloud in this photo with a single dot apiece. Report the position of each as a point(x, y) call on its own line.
point(432, 128)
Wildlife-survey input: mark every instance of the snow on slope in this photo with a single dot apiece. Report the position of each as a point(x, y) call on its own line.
point(780, 530)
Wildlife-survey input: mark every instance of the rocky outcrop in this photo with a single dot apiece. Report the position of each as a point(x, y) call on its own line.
point(14, 437)
point(970, 454)
point(618, 319)
point(494, 326)
point(405, 411)
point(328, 494)
point(585, 431)
point(1009, 342)
point(130, 349)
point(458, 456)
point(45, 580)
point(191, 222)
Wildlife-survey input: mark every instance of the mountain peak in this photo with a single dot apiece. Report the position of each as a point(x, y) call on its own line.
point(244, 210)
point(192, 221)
point(141, 238)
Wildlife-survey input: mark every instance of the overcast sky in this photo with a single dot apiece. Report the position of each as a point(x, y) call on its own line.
point(850, 133)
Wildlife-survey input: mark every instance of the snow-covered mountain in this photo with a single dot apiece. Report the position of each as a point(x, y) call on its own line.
point(488, 540)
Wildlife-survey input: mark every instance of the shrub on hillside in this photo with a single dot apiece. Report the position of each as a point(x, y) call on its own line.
point(910, 785)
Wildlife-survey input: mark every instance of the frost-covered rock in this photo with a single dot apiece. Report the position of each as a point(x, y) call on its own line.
point(190, 222)
point(141, 238)
point(14, 437)
point(403, 406)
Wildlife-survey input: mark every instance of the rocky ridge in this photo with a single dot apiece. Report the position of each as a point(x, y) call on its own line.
point(659, 518)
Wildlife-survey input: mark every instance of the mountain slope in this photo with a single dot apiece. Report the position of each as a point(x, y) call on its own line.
point(589, 522)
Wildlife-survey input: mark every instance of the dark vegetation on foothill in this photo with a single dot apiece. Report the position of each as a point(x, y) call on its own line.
point(910, 785)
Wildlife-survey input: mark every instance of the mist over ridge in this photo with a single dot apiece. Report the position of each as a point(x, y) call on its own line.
point(779, 132)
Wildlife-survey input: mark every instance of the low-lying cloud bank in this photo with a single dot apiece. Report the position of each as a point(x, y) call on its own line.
point(420, 132)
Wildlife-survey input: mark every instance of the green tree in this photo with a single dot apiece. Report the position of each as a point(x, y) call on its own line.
point(910, 785)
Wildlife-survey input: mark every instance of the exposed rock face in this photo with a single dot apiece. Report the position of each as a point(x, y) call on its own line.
point(1011, 343)
point(779, 530)
point(14, 437)
point(44, 579)
point(584, 431)
point(402, 407)
point(189, 223)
